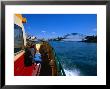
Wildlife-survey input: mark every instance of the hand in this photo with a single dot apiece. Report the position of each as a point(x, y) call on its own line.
point(35, 63)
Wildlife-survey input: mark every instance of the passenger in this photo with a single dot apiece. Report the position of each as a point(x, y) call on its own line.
point(28, 56)
point(37, 57)
point(33, 51)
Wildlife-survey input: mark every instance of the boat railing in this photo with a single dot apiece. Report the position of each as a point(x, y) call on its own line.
point(58, 64)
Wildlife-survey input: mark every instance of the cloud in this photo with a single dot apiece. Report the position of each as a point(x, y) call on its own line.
point(43, 31)
point(53, 32)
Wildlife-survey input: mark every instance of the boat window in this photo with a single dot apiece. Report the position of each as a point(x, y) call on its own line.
point(18, 38)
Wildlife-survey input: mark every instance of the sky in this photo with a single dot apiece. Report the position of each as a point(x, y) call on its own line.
point(54, 25)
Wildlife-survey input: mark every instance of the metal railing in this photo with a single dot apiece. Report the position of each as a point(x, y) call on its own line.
point(58, 64)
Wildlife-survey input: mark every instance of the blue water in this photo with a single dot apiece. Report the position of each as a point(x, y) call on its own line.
point(77, 58)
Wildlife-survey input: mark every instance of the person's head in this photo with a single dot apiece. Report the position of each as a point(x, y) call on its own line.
point(29, 44)
point(37, 47)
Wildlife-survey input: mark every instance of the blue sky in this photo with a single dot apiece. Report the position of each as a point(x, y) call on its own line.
point(54, 25)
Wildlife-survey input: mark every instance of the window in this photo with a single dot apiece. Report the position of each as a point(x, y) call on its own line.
point(18, 38)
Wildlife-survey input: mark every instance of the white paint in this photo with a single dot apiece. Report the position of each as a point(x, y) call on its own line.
point(100, 79)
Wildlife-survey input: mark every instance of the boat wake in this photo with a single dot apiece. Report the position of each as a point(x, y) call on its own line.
point(74, 72)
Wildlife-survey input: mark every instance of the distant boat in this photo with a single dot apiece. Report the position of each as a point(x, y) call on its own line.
point(50, 65)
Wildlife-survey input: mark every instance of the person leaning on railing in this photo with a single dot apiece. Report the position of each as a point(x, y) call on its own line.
point(33, 51)
point(37, 56)
point(28, 56)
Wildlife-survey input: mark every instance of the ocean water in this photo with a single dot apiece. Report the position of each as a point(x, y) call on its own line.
point(77, 58)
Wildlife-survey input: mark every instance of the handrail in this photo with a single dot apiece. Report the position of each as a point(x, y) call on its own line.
point(58, 63)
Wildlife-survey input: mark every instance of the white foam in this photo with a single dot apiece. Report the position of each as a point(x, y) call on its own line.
point(74, 72)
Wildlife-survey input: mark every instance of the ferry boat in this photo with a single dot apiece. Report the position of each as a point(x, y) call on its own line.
point(50, 65)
